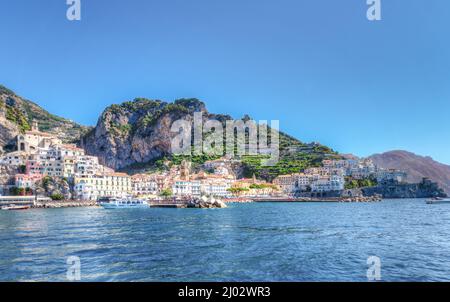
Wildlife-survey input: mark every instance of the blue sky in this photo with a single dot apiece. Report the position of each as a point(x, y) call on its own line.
point(318, 66)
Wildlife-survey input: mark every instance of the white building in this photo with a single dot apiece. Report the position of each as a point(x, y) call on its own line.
point(287, 183)
point(111, 185)
point(186, 188)
point(358, 169)
point(144, 184)
point(24, 181)
point(30, 141)
point(391, 175)
point(215, 187)
point(211, 185)
point(17, 158)
point(87, 166)
point(303, 181)
point(328, 184)
point(41, 163)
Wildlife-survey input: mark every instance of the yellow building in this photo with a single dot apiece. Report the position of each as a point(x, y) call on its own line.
point(253, 187)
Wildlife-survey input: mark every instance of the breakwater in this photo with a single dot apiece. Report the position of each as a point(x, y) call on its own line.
point(64, 204)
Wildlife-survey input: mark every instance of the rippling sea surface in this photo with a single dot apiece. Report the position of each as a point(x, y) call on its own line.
point(245, 242)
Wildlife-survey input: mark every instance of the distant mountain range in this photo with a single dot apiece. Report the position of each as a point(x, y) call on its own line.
point(416, 166)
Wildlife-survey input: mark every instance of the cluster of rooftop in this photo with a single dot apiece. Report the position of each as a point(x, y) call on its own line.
point(334, 174)
point(42, 155)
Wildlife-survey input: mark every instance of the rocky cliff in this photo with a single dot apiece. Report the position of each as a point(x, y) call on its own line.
point(139, 131)
point(8, 131)
point(17, 114)
point(416, 166)
point(7, 176)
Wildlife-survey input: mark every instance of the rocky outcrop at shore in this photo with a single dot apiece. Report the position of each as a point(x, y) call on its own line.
point(206, 203)
point(54, 186)
point(416, 166)
point(424, 189)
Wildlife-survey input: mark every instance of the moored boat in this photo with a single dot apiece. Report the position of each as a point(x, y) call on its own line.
point(438, 200)
point(119, 203)
point(14, 208)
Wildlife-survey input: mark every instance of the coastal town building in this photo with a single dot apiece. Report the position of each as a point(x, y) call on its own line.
point(287, 183)
point(355, 168)
point(17, 158)
point(31, 140)
point(251, 187)
point(111, 185)
point(225, 161)
point(215, 187)
point(45, 154)
point(24, 181)
point(205, 185)
point(144, 185)
point(319, 179)
point(88, 165)
point(216, 184)
point(186, 188)
point(391, 175)
point(365, 168)
point(328, 184)
point(41, 163)
point(41, 154)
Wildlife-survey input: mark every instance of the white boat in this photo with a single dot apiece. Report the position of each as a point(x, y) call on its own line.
point(438, 200)
point(122, 203)
point(15, 207)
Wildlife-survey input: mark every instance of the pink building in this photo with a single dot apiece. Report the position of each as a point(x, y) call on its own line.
point(27, 180)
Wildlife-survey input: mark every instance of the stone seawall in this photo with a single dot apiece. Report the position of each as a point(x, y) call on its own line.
point(64, 204)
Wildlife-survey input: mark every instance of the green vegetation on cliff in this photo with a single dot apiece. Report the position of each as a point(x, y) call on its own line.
point(145, 113)
point(351, 183)
point(7, 91)
point(295, 157)
point(17, 117)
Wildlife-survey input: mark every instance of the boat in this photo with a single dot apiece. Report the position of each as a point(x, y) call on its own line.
point(119, 203)
point(438, 200)
point(14, 208)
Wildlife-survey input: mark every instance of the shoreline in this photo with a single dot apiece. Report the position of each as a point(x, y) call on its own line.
point(65, 204)
point(93, 204)
point(305, 199)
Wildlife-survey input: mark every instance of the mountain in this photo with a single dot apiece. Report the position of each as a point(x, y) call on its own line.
point(135, 135)
point(416, 166)
point(136, 131)
point(17, 114)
